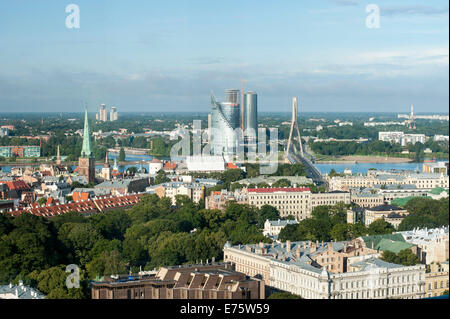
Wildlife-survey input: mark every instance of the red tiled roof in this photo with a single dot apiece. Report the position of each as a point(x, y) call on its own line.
point(80, 196)
point(88, 206)
point(278, 189)
point(17, 185)
point(231, 166)
point(170, 166)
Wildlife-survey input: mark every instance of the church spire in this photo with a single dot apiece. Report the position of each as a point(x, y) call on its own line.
point(58, 157)
point(86, 150)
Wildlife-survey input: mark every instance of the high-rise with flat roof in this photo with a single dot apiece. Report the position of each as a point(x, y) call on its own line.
point(250, 117)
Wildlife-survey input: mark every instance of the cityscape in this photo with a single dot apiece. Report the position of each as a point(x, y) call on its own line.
point(254, 195)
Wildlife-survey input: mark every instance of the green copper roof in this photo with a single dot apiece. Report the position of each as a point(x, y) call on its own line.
point(403, 200)
point(437, 191)
point(86, 150)
point(376, 239)
point(394, 246)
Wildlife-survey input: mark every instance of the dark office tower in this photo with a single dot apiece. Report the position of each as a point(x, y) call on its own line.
point(232, 96)
point(250, 117)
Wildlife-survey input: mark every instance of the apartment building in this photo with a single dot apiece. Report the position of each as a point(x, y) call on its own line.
point(195, 191)
point(200, 281)
point(296, 201)
point(367, 199)
point(219, 199)
point(436, 280)
point(272, 228)
point(302, 268)
point(433, 244)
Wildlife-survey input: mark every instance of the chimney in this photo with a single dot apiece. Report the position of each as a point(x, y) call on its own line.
point(372, 245)
point(288, 245)
point(298, 252)
point(312, 248)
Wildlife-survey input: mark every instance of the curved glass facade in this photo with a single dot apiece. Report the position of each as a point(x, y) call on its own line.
point(225, 117)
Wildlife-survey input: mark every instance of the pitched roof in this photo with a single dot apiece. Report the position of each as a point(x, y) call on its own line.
point(392, 245)
point(375, 239)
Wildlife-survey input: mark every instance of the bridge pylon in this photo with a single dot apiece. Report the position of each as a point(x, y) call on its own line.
point(294, 134)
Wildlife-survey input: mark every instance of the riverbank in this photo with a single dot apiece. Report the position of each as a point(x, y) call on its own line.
point(354, 159)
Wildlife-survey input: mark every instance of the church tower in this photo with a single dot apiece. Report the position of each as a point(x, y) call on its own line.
point(58, 157)
point(106, 170)
point(86, 162)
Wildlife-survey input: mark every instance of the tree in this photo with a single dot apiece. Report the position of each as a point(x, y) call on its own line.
point(282, 183)
point(107, 263)
point(122, 155)
point(161, 177)
point(284, 295)
point(267, 212)
point(404, 257)
point(52, 282)
point(380, 227)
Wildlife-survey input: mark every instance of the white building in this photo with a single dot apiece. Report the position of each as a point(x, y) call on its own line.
point(432, 243)
point(155, 166)
point(19, 292)
point(205, 163)
point(296, 201)
point(272, 228)
point(413, 139)
point(441, 138)
point(391, 137)
point(293, 267)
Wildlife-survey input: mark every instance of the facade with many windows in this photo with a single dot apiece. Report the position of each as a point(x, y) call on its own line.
point(20, 151)
point(306, 269)
point(296, 201)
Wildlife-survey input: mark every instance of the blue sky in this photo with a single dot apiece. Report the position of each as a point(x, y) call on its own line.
point(167, 56)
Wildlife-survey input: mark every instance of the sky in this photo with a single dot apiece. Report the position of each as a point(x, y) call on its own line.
point(167, 56)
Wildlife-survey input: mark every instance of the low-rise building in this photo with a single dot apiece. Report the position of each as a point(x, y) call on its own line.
point(124, 186)
point(433, 244)
point(436, 280)
point(19, 291)
point(219, 199)
point(200, 281)
point(392, 214)
point(367, 199)
point(272, 228)
point(195, 191)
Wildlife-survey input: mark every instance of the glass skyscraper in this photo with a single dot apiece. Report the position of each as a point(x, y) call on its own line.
point(225, 118)
point(250, 117)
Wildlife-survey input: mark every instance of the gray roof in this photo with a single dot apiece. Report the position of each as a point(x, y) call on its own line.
point(282, 222)
point(374, 262)
point(20, 292)
point(275, 251)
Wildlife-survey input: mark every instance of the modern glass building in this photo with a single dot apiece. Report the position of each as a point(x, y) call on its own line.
point(225, 118)
point(232, 96)
point(250, 117)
